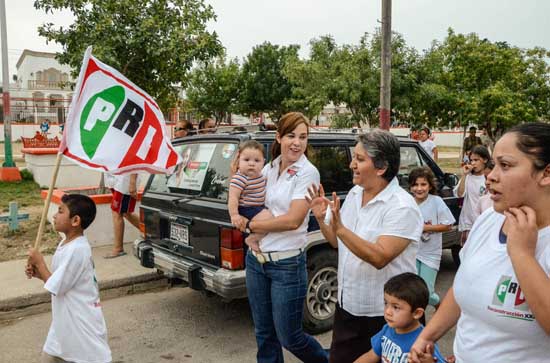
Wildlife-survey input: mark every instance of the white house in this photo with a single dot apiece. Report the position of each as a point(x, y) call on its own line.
point(42, 88)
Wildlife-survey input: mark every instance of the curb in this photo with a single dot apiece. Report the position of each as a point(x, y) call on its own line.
point(40, 302)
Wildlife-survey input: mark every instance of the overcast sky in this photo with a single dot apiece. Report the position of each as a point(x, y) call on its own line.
point(242, 24)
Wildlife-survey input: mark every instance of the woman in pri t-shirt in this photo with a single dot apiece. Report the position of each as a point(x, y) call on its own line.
point(500, 299)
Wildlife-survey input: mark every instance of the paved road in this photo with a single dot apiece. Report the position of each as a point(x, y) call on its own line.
point(176, 325)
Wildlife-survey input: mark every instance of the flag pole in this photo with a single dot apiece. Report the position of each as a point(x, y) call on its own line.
point(47, 202)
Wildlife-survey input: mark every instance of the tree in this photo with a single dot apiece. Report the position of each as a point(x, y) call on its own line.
point(494, 85)
point(152, 42)
point(264, 86)
point(311, 78)
point(213, 88)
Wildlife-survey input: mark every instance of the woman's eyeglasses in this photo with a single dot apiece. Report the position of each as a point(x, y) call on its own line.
point(178, 129)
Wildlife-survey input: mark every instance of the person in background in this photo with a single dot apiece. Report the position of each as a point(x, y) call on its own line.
point(183, 128)
point(469, 142)
point(486, 140)
point(437, 219)
point(45, 127)
point(207, 126)
point(500, 298)
point(428, 145)
point(471, 187)
point(485, 201)
point(376, 232)
point(124, 189)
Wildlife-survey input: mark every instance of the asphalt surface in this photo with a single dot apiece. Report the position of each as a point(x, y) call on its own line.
point(173, 325)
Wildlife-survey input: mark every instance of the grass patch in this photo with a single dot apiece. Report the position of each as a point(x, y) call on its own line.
point(26, 193)
point(449, 149)
point(451, 165)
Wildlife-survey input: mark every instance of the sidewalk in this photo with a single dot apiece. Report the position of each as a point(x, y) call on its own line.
point(116, 277)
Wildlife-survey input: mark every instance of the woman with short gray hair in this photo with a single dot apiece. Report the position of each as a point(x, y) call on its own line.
point(376, 233)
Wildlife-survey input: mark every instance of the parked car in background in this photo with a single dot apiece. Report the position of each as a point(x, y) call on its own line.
point(189, 236)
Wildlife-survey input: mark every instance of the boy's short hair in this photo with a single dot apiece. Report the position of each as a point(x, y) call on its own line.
point(410, 288)
point(82, 206)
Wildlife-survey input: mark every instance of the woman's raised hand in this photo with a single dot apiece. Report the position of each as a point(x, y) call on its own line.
point(317, 201)
point(336, 220)
point(522, 233)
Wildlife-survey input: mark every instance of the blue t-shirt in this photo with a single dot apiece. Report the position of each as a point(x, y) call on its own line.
point(392, 347)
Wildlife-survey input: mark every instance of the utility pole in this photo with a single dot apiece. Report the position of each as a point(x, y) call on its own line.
point(8, 172)
point(385, 73)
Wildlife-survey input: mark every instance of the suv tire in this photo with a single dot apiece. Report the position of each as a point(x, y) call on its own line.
point(322, 290)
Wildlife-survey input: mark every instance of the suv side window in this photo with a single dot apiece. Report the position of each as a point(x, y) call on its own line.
point(409, 161)
point(333, 165)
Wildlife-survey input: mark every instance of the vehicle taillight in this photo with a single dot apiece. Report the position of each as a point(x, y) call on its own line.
point(231, 248)
point(142, 221)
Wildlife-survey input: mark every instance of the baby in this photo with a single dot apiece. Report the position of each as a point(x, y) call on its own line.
point(247, 191)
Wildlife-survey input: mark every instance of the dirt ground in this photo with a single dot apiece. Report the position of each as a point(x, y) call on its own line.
point(14, 245)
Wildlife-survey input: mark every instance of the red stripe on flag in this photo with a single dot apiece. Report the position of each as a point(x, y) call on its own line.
point(149, 120)
point(172, 159)
point(68, 154)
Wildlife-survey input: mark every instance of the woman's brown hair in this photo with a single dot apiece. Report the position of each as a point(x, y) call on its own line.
point(288, 123)
point(426, 173)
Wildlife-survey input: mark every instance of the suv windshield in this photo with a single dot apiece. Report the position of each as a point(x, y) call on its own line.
point(204, 171)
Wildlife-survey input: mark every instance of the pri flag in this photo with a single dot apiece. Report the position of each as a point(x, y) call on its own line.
point(113, 125)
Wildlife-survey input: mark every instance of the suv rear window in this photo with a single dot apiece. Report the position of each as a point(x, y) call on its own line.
point(204, 171)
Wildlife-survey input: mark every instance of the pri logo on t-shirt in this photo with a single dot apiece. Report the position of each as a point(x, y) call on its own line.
point(509, 301)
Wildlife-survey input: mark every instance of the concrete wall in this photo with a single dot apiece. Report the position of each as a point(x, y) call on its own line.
point(100, 232)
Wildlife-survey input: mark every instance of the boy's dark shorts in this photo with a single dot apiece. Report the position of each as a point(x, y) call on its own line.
point(250, 212)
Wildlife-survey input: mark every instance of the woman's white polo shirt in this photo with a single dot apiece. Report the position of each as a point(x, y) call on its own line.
point(392, 212)
point(281, 190)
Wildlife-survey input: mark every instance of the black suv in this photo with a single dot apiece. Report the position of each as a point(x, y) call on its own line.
point(188, 233)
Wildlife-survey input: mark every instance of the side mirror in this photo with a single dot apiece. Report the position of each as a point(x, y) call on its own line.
point(450, 180)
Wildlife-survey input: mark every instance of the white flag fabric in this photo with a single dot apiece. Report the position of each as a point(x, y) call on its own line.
point(115, 126)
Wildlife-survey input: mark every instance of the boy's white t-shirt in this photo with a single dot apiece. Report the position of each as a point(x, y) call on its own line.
point(474, 188)
point(429, 146)
point(78, 332)
point(496, 323)
point(434, 211)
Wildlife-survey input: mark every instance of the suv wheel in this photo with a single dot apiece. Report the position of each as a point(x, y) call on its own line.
point(322, 291)
point(455, 250)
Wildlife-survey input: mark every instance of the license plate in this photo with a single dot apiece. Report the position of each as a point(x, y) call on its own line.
point(179, 232)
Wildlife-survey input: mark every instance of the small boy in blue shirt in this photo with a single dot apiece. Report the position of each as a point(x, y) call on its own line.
point(405, 299)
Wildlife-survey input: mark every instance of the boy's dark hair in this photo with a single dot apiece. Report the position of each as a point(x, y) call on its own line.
point(252, 144)
point(410, 288)
point(426, 173)
point(82, 206)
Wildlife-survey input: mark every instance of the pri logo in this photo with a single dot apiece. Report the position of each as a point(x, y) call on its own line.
point(507, 288)
point(98, 118)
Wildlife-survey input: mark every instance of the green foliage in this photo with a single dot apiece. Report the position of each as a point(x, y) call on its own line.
point(264, 86)
point(341, 121)
point(492, 84)
point(213, 88)
point(25, 193)
point(152, 42)
point(26, 174)
point(311, 79)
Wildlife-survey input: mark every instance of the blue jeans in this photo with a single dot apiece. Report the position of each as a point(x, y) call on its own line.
point(276, 293)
